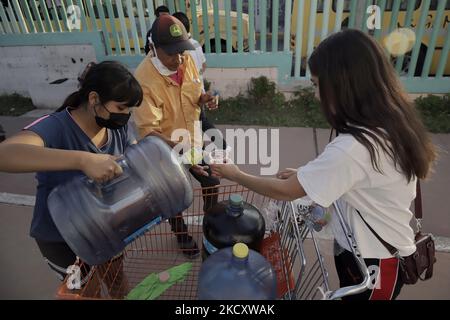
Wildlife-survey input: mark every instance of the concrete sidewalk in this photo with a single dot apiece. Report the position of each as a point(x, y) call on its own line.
point(23, 271)
point(24, 274)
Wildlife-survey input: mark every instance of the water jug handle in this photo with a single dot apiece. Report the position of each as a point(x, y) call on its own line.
point(122, 162)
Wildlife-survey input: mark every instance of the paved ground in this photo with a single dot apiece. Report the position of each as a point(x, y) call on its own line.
point(24, 275)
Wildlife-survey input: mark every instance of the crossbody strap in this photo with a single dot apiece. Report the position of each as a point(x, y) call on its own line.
point(418, 202)
point(392, 250)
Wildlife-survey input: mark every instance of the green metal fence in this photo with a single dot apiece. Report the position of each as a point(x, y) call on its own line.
point(243, 33)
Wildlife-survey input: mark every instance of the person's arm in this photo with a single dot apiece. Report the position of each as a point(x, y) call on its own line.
point(25, 152)
point(325, 179)
point(203, 68)
point(202, 59)
point(286, 173)
point(287, 190)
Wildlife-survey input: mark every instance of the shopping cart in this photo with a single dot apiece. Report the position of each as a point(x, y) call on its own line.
point(291, 247)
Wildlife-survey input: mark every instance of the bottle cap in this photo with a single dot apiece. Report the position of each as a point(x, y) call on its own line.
point(236, 200)
point(240, 250)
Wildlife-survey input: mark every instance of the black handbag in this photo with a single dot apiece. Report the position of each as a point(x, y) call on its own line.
point(418, 265)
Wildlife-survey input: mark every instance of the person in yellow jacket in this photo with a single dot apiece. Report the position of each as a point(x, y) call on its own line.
point(172, 100)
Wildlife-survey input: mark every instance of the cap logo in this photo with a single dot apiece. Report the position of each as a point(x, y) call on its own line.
point(175, 31)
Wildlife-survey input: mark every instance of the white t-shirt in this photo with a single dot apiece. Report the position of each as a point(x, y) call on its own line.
point(197, 55)
point(344, 173)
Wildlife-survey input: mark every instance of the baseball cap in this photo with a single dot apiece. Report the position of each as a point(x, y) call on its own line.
point(170, 34)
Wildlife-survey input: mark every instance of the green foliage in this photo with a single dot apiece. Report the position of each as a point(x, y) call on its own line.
point(264, 92)
point(14, 105)
point(435, 112)
point(304, 103)
point(263, 105)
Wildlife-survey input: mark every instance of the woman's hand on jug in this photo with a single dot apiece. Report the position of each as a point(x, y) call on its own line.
point(100, 167)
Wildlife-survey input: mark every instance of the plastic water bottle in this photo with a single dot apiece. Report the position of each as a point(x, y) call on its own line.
point(230, 222)
point(218, 156)
point(98, 220)
point(317, 214)
point(237, 273)
point(313, 214)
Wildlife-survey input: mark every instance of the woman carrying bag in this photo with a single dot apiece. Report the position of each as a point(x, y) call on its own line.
point(370, 170)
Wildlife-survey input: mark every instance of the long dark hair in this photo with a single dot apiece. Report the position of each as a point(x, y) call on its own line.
point(111, 80)
point(361, 95)
point(161, 9)
point(147, 42)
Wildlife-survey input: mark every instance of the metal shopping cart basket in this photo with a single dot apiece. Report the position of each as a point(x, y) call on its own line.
point(291, 248)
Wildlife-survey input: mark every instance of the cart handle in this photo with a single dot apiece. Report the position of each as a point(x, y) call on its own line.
point(350, 290)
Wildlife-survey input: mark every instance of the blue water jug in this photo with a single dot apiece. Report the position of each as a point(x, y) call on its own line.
point(98, 220)
point(237, 273)
point(230, 222)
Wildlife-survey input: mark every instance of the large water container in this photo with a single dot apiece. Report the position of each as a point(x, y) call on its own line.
point(98, 220)
point(237, 273)
point(230, 222)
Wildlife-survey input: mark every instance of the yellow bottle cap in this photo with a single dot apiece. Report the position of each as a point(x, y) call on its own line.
point(240, 250)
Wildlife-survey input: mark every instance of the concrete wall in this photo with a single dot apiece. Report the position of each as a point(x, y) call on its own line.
point(231, 81)
point(28, 70)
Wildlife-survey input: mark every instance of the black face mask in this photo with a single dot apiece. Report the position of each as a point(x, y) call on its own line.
point(115, 121)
